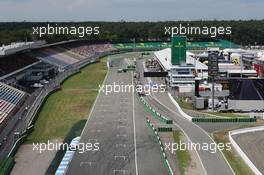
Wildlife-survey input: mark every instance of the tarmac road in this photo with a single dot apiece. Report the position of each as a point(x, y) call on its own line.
point(213, 163)
point(117, 123)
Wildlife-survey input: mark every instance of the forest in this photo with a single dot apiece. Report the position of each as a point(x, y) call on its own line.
point(250, 32)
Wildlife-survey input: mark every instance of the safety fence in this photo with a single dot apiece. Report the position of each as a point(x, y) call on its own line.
point(162, 151)
point(157, 115)
point(223, 120)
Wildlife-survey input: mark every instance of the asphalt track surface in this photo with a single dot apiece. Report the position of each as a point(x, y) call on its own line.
point(252, 144)
point(213, 163)
point(117, 122)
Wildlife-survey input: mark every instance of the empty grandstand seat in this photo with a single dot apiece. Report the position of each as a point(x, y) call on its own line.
point(9, 98)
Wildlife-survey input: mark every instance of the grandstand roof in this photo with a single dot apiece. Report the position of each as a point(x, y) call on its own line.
point(164, 57)
point(19, 46)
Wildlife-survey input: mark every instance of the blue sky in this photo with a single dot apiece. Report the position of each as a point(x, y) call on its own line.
point(129, 10)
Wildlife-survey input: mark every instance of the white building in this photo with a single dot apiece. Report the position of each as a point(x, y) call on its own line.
point(181, 75)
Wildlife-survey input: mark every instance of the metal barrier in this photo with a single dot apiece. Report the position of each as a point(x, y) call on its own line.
point(162, 151)
point(157, 115)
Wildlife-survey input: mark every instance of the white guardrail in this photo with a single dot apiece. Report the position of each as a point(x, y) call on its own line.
point(179, 108)
point(240, 151)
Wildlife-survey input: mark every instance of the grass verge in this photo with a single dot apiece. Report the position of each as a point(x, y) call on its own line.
point(228, 114)
point(188, 106)
point(183, 156)
point(66, 107)
point(236, 162)
point(185, 105)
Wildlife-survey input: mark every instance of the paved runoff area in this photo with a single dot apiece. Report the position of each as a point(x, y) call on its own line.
point(252, 144)
point(117, 122)
point(29, 161)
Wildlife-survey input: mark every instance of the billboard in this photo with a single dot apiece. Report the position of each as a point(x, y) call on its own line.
point(212, 65)
point(178, 50)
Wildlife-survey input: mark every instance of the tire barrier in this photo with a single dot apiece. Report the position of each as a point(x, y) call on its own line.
point(162, 151)
point(157, 115)
point(223, 120)
point(131, 67)
point(164, 129)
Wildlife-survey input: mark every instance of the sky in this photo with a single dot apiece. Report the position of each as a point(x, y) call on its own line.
point(129, 10)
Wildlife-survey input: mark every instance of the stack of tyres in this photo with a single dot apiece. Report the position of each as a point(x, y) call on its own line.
point(166, 129)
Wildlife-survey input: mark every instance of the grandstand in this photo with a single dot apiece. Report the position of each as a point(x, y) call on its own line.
point(55, 57)
point(70, 53)
point(21, 60)
point(10, 98)
point(89, 50)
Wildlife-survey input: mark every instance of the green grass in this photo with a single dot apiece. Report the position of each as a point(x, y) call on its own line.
point(69, 105)
point(236, 162)
point(185, 105)
point(231, 115)
point(183, 156)
point(188, 105)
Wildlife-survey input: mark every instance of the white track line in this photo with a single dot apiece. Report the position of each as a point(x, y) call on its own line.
point(91, 111)
point(177, 125)
point(210, 136)
point(134, 127)
point(203, 132)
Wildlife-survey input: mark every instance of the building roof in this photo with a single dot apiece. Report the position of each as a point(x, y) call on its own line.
point(164, 58)
point(242, 71)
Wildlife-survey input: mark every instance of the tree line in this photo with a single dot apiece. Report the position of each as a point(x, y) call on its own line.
point(250, 32)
